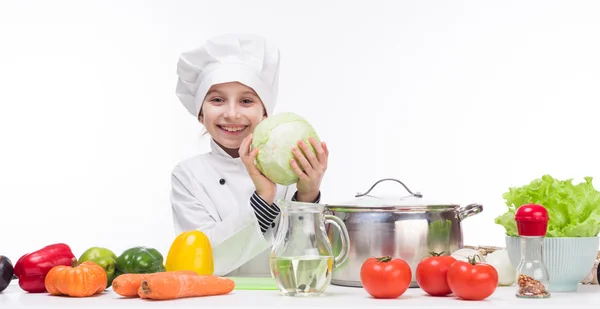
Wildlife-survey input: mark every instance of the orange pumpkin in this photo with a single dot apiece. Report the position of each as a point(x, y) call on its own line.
point(85, 279)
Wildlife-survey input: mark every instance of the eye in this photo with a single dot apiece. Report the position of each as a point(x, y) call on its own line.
point(247, 101)
point(217, 100)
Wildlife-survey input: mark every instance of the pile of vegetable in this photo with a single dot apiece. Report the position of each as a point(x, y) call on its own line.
point(574, 209)
point(438, 275)
point(137, 272)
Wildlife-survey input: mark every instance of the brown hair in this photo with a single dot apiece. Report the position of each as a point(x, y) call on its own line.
point(199, 117)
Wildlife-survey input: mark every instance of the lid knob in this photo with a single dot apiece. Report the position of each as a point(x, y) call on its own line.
point(532, 220)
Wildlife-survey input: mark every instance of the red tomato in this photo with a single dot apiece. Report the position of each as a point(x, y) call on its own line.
point(431, 275)
point(385, 277)
point(471, 280)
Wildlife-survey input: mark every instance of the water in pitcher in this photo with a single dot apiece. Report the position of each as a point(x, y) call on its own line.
point(302, 275)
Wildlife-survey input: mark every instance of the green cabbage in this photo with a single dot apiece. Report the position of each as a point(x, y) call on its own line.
point(274, 137)
point(574, 210)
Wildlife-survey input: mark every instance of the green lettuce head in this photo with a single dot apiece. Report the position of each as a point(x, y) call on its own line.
point(574, 209)
point(275, 137)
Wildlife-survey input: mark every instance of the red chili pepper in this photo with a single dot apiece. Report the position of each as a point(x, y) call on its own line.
point(31, 268)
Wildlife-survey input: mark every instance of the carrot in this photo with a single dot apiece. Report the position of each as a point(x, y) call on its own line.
point(128, 284)
point(171, 286)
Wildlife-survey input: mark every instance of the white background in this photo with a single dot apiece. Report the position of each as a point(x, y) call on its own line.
point(460, 100)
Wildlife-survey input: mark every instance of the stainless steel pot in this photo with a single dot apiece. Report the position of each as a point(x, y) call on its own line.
point(406, 227)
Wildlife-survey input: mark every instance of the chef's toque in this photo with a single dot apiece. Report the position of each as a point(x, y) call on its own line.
point(245, 58)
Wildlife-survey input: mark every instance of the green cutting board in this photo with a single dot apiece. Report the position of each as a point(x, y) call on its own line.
point(254, 283)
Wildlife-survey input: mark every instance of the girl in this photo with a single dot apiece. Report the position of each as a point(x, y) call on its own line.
point(230, 84)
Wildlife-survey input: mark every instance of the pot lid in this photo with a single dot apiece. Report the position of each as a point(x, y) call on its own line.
point(411, 201)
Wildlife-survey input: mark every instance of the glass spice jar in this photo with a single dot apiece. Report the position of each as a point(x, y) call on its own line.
point(532, 275)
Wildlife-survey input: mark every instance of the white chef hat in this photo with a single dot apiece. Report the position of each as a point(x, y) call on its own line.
point(245, 58)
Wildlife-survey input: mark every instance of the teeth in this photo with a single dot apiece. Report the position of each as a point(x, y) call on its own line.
point(232, 129)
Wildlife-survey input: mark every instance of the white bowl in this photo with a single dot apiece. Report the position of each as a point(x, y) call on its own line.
point(568, 259)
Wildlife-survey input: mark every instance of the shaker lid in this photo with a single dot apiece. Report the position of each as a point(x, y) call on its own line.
point(532, 220)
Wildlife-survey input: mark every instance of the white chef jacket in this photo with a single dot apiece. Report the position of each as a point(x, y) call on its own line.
point(212, 193)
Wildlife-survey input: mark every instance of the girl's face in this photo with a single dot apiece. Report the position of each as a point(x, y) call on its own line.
point(230, 112)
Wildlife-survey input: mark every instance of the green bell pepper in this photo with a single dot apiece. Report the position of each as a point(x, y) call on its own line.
point(140, 260)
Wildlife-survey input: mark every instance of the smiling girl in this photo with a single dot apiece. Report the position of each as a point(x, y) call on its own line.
point(230, 85)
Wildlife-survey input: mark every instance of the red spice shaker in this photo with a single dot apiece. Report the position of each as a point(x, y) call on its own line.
point(532, 274)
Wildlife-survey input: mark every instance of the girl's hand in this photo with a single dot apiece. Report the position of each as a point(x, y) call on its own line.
point(309, 183)
point(265, 188)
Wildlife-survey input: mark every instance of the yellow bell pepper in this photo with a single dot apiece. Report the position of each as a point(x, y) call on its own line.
point(191, 251)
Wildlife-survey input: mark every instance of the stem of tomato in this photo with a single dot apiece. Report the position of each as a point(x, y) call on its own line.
point(436, 254)
point(384, 259)
point(472, 259)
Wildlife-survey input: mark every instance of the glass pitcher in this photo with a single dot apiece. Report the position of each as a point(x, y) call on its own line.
point(302, 259)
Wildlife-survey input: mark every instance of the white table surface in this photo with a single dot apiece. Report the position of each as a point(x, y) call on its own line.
point(588, 296)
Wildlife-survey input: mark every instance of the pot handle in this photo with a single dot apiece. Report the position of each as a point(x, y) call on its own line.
point(469, 210)
point(417, 194)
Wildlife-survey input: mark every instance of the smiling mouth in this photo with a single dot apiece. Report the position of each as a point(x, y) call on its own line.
point(232, 129)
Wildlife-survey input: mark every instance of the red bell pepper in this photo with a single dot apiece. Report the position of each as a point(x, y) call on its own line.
point(31, 268)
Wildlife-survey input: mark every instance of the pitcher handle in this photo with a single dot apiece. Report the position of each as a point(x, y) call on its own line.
point(339, 224)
